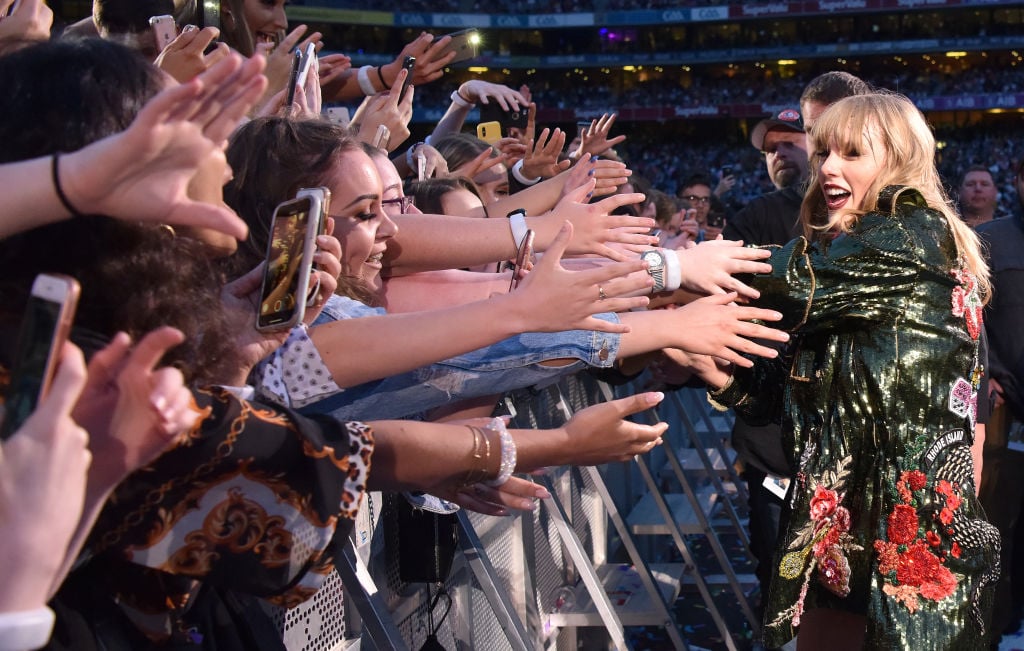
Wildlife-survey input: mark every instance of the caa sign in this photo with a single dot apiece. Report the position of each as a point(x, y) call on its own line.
point(709, 13)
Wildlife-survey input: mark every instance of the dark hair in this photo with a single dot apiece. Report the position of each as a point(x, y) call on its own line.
point(459, 148)
point(696, 179)
point(832, 86)
point(61, 96)
point(123, 16)
point(976, 168)
point(430, 193)
point(272, 158)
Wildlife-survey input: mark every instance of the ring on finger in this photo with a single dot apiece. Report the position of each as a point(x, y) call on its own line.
point(600, 293)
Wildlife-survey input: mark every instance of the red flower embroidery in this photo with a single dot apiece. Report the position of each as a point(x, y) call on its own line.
point(933, 539)
point(955, 551)
point(823, 503)
point(888, 556)
point(841, 519)
point(915, 479)
point(967, 301)
point(917, 565)
point(939, 585)
point(902, 524)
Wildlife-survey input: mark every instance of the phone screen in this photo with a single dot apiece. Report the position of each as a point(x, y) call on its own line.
point(278, 301)
point(43, 330)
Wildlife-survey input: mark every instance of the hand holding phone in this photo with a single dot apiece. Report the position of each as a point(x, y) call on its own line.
point(290, 249)
point(293, 78)
point(465, 43)
point(489, 132)
point(44, 329)
point(164, 30)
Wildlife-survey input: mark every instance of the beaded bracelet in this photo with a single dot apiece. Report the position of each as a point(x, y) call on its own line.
point(508, 452)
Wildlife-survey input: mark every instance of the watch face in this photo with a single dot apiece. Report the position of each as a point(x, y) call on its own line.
point(653, 258)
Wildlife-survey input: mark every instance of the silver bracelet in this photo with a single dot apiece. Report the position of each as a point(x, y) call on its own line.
point(508, 452)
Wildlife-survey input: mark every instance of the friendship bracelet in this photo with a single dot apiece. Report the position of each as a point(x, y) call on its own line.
point(365, 85)
point(55, 173)
point(517, 221)
point(508, 453)
point(380, 75)
point(517, 173)
point(673, 270)
point(460, 101)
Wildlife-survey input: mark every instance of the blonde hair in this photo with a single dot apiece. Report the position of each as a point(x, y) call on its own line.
point(891, 122)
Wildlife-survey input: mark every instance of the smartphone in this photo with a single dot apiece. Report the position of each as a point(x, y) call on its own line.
point(44, 329)
point(409, 64)
point(290, 250)
point(380, 140)
point(164, 30)
point(338, 115)
point(489, 132)
point(293, 79)
point(494, 113)
point(524, 256)
point(715, 219)
point(465, 43)
point(421, 166)
point(307, 61)
point(727, 170)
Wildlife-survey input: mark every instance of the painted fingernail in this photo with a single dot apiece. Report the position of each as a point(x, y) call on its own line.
point(189, 28)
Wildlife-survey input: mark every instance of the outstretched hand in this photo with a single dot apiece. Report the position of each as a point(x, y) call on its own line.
point(709, 267)
point(142, 174)
point(600, 433)
point(714, 326)
point(595, 227)
point(555, 299)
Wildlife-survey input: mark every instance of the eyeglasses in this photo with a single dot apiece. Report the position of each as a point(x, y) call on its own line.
point(405, 203)
point(692, 198)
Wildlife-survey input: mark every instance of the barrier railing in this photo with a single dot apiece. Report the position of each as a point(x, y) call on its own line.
point(578, 570)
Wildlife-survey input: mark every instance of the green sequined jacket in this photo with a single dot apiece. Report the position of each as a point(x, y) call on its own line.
point(878, 405)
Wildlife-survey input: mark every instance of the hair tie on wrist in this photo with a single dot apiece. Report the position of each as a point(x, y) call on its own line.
point(55, 173)
point(380, 75)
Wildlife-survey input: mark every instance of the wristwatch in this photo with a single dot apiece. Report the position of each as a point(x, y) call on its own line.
point(655, 260)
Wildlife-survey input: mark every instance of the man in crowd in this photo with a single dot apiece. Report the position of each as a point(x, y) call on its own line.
point(978, 196)
point(696, 190)
point(1002, 485)
point(772, 218)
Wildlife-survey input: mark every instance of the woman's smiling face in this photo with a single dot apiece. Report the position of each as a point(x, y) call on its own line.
point(360, 223)
point(266, 19)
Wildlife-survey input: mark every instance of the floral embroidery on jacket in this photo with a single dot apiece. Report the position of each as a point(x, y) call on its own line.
point(822, 543)
point(911, 560)
point(967, 301)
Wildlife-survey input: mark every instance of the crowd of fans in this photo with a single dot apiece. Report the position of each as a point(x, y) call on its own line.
point(243, 390)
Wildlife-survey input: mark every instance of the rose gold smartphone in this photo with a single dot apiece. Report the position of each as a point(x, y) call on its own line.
point(44, 329)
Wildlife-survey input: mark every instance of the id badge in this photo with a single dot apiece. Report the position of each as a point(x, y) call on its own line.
point(777, 486)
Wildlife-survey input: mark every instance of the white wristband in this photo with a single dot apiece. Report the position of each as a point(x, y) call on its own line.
point(509, 453)
point(673, 270)
point(409, 153)
point(517, 220)
point(29, 629)
point(517, 173)
point(365, 85)
point(460, 101)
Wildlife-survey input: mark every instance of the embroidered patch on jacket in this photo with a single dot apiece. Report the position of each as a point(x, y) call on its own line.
point(822, 543)
point(911, 558)
point(963, 399)
point(967, 301)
